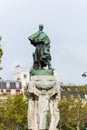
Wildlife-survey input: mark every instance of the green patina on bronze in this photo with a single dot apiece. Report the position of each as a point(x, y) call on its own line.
point(41, 57)
point(41, 72)
point(1, 53)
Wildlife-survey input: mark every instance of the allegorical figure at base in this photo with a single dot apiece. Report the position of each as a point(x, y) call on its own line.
point(41, 57)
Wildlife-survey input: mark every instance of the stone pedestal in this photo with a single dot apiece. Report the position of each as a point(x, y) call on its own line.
point(44, 94)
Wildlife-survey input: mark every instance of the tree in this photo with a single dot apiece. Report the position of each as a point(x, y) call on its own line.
point(73, 114)
point(64, 107)
point(13, 113)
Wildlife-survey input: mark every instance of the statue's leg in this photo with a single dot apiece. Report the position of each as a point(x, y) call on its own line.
point(54, 114)
point(37, 57)
point(51, 127)
point(35, 62)
point(49, 65)
point(32, 114)
point(35, 66)
point(43, 113)
point(57, 115)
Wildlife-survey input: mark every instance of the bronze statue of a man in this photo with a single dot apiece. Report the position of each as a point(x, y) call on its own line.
point(42, 56)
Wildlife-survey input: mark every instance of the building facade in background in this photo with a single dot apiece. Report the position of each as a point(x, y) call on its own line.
point(22, 74)
point(10, 88)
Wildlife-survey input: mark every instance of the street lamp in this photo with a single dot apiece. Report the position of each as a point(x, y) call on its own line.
point(84, 74)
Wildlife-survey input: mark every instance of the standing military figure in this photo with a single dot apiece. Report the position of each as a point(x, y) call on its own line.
point(42, 55)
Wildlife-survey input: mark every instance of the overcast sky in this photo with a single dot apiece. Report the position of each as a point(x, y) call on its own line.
point(65, 22)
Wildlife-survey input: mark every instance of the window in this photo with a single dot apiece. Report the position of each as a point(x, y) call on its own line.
point(17, 84)
point(8, 91)
point(17, 91)
point(8, 84)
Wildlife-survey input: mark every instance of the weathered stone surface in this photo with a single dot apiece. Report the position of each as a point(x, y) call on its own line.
point(44, 94)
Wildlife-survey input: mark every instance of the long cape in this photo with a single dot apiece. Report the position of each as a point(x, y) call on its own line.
point(38, 37)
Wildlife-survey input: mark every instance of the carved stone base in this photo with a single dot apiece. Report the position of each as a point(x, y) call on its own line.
point(44, 94)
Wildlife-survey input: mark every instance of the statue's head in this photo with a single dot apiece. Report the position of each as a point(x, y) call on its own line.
point(41, 27)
